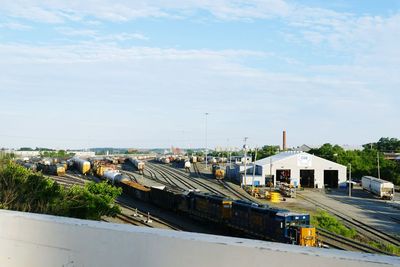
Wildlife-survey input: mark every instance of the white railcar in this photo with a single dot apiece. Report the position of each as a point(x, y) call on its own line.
point(112, 176)
point(379, 187)
point(187, 164)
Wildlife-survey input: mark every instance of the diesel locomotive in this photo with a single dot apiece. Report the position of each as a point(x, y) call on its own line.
point(260, 221)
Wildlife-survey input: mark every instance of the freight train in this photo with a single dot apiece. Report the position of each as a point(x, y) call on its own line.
point(46, 167)
point(260, 221)
point(52, 169)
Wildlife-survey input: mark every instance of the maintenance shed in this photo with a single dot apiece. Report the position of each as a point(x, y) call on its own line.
point(308, 170)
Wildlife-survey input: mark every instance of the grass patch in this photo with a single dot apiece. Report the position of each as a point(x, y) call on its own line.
point(328, 222)
point(386, 247)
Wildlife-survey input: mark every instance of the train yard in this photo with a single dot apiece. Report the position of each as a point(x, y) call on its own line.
point(181, 178)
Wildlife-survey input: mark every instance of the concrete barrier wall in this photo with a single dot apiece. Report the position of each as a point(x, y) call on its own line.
point(40, 240)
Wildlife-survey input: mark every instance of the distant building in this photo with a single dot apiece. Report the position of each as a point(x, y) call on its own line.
point(392, 156)
point(303, 148)
point(83, 154)
point(235, 172)
point(311, 171)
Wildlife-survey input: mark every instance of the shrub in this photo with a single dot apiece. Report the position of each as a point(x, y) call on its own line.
point(328, 222)
point(24, 190)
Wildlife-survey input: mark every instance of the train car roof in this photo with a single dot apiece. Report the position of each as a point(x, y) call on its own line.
point(287, 213)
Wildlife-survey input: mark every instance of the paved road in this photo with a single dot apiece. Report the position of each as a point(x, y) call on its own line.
point(362, 206)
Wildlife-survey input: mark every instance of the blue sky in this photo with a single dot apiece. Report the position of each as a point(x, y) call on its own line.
point(143, 73)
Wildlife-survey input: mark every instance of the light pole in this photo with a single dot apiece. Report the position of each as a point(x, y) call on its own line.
point(206, 142)
point(379, 168)
point(349, 179)
point(245, 160)
point(254, 172)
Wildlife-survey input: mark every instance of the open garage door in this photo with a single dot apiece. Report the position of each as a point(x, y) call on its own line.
point(307, 178)
point(283, 176)
point(331, 178)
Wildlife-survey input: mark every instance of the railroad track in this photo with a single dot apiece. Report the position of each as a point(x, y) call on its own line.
point(361, 227)
point(66, 180)
point(196, 181)
point(240, 195)
point(126, 205)
point(343, 243)
point(171, 177)
point(130, 175)
point(132, 220)
point(237, 193)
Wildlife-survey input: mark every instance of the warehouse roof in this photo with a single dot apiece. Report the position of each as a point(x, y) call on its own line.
point(278, 157)
point(286, 155)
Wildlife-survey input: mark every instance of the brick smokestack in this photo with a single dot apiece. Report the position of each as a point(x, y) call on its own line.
point(284, 141)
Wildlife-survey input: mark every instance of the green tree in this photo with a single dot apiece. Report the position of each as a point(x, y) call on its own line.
point(24, 190)
point(265, 151)
point(363, 162)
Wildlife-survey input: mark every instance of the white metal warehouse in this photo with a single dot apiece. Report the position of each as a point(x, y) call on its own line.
point(308, 170)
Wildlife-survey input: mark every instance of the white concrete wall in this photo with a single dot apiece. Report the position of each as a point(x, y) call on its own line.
point(47, 241)
point(317, 164)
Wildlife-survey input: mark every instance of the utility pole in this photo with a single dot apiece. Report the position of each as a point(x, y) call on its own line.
point(254, 173)
point(379, 169)
point(206, 142)
point(350, 180)
point(245, 161)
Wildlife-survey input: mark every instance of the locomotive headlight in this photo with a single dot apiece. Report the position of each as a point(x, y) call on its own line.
point(296, 218)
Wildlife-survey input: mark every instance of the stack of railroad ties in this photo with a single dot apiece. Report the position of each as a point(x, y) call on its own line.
point(260, 221)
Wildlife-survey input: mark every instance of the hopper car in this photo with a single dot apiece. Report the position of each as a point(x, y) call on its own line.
point(81, 165)
point(135, 189)
point(381, 188)
point(260, 221)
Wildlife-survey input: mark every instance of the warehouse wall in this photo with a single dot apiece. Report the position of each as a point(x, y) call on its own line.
point(46, 241)
point(317, 164)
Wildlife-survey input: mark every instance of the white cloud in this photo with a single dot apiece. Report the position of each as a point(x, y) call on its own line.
point(97, 36)
point(123, 10)
point(15, 26)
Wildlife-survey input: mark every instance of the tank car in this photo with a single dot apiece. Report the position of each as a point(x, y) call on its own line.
point(165, 160)
point(83, 166)
point(187, 165)
point(52, 169)
point(30, 166)
point(112, 176)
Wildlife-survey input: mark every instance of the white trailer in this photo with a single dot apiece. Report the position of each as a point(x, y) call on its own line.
point(379, 187)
